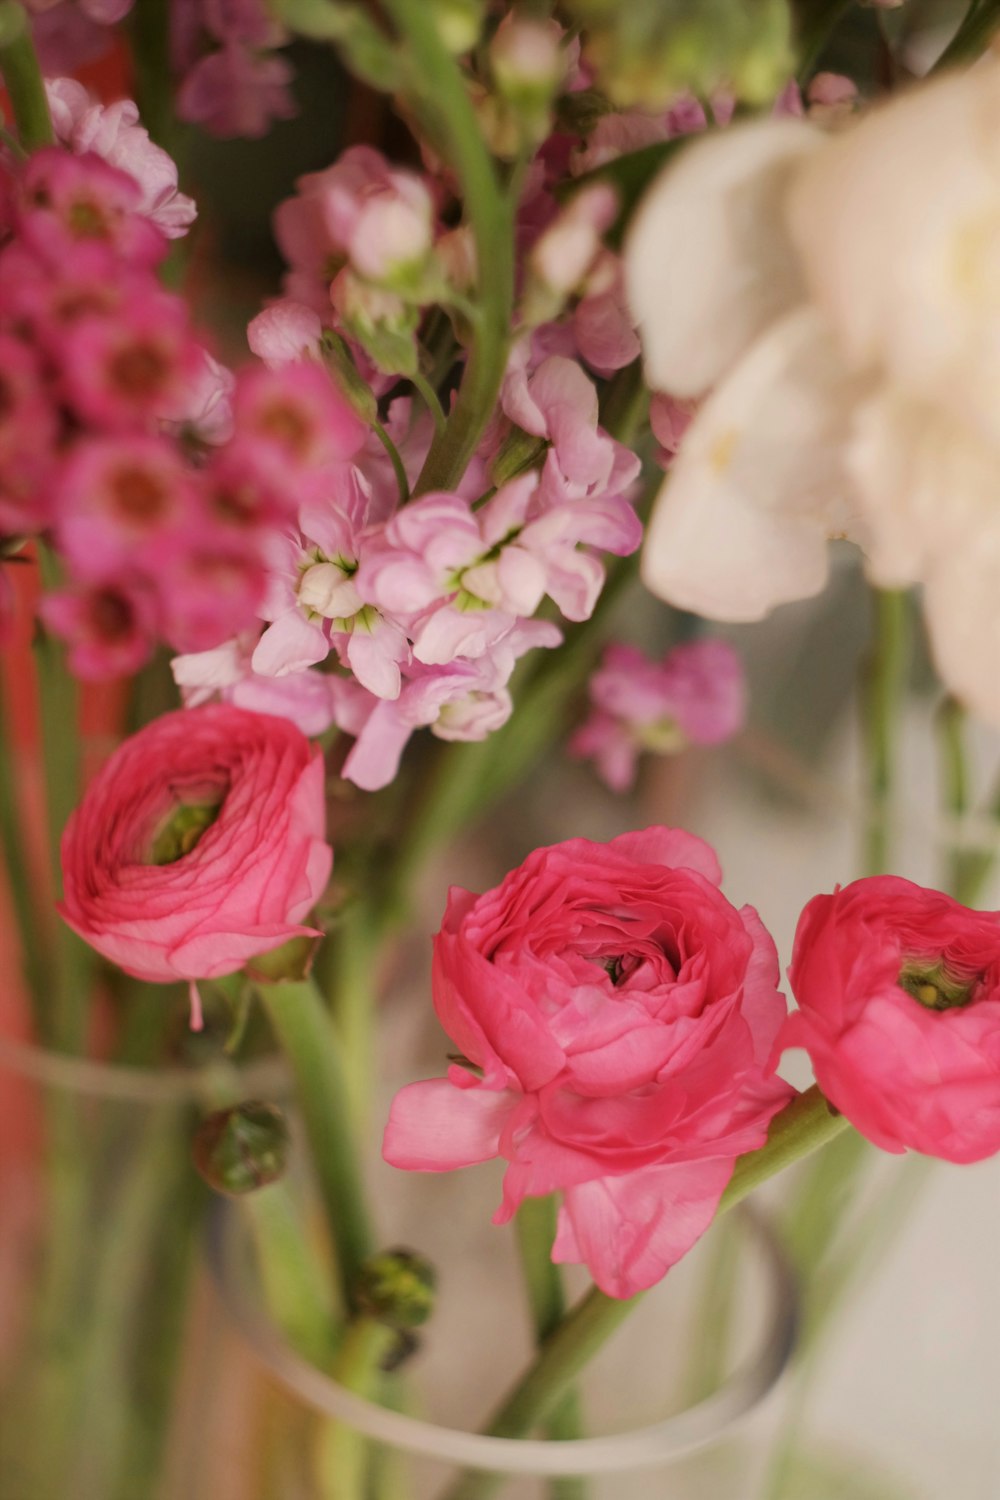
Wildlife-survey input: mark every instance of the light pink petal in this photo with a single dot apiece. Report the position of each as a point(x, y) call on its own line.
point(434, 1126)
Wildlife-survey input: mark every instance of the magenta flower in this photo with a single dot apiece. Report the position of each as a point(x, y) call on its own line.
point(695, 695)
point(109, 628)
point(899, 1009)
point(615, 1016)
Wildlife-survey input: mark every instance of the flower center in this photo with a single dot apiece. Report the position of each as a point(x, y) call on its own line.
point(182, 830)
point(934, 986)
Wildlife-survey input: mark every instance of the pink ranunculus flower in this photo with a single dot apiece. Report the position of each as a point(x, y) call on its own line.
point(246, 861)
point(616, 1015)
point(899, 1009)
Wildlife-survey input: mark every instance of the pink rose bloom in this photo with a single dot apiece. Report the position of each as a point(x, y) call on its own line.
point(899, 1010)
point(199, 844)
point(616, 1015)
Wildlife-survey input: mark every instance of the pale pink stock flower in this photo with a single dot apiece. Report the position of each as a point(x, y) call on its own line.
point(566, 250)
point(285, 333)
point(463, 700)
point(307, 698)
point(615, 1017)
point(113, 132)
point(696, 695)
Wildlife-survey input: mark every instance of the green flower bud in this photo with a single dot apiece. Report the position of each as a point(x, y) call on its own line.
point(243, 1148)
point(397, 1287)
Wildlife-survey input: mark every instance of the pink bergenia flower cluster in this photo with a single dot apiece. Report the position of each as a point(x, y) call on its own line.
point(157, 477)
point(695, 696)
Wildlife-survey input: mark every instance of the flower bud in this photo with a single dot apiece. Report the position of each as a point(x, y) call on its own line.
point(527, 59)
point(459, 23)
point(397, 1287)
point(383, 324)
point(243, 1148)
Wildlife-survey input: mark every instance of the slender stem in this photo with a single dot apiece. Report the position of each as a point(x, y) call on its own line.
point(884, 686)
point(535, 1228)
point(439, 94)
point(802, 1127)
point(354, 955)
point(971, 39)
point(814, 31)
point(431, 401)
point(961, 864)
point(23, 78)
point(303, 1027)
point(344, 1454)
point(402, 483)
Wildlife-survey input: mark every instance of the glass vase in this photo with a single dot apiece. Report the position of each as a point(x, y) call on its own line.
point(103, 1353)
point(662, 1405)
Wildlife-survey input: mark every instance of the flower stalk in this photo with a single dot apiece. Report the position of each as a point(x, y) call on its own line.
point(805, 1125)
point(23, 78)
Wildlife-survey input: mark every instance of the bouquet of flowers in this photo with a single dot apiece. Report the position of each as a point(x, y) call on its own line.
point(639, 309)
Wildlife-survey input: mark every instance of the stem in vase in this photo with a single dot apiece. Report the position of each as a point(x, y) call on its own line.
point(803, 1126)
point(973, 36)
point(304, 1028)
point(535, 1227)
point(884, 687)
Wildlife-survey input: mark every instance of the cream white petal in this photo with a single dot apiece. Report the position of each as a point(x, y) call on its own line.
point(963, 622)
point(897, 223)
point(708, 261)
point(758, 487)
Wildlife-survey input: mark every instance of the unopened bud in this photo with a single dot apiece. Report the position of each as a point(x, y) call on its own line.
point(527, 58)
point(397, 1287)
point(243, 1148)
point(459, 23)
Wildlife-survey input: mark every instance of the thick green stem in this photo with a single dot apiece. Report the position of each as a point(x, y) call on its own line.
point(344, 1454)
point(305, 1031)
point(982, 20)
point(438, 91)
point(884, 689)
point(354, 955)
point(535, 1227)
point(802, 1127)
point(23, 79)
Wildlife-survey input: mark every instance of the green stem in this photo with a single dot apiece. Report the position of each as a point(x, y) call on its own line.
point(431, 401)
point(439, 93)
point(961, 864)
point(149, 25)
point(884, 689)
point(344, 1454)
point(353, 956)
point(816, 25)
point(802, 1127)
point(971, 39)
point(304, 1029)
point(23, 78)
point(535, 1227)
point(402, 483)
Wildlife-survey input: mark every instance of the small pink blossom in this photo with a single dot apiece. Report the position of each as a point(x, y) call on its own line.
point(109, 628)
point(695, 695)
point(464, 700)
point(121, 501)
point(236, 92)
point(301, 417)
point(131, 369)
point(285, 333)
point(69, 205)
point(565, 251)
point(307, 699)
point(113, 133)
point(670, 419)
point(602, 323)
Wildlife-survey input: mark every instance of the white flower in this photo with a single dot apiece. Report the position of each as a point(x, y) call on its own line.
point(840, 296)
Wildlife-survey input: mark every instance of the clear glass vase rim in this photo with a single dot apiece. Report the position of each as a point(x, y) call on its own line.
point(117, 1081)
point(671, 1439)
